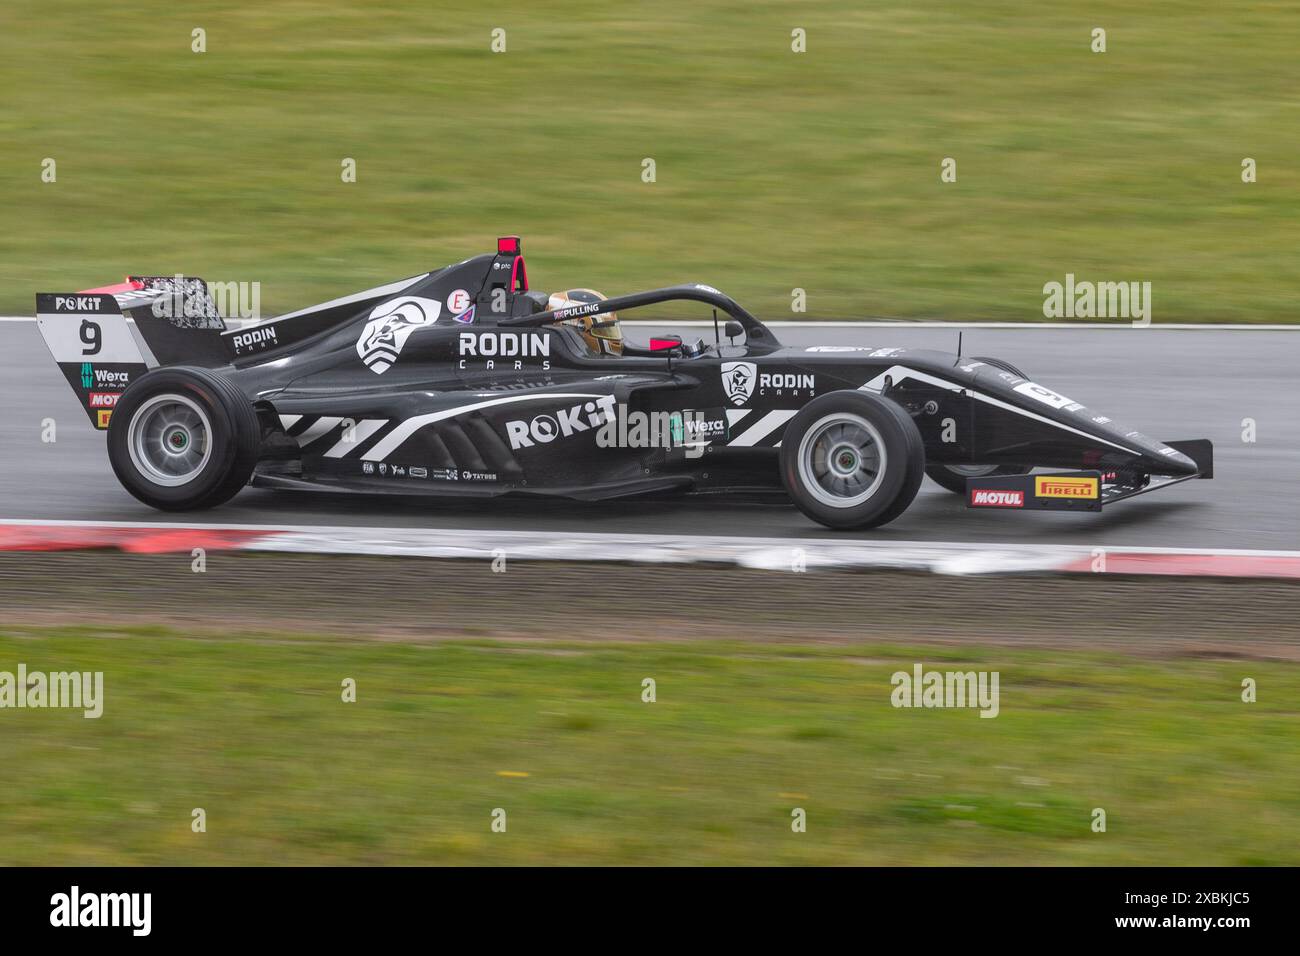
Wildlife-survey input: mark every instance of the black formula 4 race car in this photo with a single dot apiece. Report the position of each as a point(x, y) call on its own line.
point(465, 382)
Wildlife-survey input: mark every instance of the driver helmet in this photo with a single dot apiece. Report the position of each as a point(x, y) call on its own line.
point(601, 332)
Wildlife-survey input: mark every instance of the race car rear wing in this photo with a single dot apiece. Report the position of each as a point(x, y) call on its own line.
point(100, 353)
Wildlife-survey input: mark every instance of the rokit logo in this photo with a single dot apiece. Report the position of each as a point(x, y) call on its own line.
point(76, 303)
point(997, 499)
point(261, 338)
point(390, 325)
point(545, 428)
point(514, 346)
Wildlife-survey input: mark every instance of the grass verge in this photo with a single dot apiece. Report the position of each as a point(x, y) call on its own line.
point(775, 170)
point(254, 731)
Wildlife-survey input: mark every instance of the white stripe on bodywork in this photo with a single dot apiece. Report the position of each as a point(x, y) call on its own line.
point(394, 439)
point(900, 372)
point(762, 428)
point(359, 433)
point(734, 415)
point(378, 292)
point(321, 426)
point(288, 421)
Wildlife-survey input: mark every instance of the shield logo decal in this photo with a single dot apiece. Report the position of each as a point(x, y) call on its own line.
point(738, 381)
point(391, 324)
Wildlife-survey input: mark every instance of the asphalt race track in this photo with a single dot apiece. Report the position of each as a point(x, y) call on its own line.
point(1168, 383)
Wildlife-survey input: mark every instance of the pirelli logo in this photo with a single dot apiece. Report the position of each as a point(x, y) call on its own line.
point(1047, 486)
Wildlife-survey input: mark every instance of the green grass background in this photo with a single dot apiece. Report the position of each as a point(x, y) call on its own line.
point(254, 731)
point(775, 170)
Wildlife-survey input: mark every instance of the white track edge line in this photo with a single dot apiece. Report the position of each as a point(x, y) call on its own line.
point(703, 541)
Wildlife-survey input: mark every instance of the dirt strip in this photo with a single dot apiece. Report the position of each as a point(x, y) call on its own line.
point(420, 599)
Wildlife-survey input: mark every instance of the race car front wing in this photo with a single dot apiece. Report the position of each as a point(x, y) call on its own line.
point(1081, 490)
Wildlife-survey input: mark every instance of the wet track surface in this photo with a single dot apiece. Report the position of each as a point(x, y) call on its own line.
point(1171, 384)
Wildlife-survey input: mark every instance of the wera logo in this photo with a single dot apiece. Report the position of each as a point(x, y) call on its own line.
point(134, 910)
point(923, 688)
point(87, 375)
point(689, 429)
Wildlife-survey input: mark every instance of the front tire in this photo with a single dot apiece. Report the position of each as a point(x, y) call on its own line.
point(852, 460)
point(183, 438)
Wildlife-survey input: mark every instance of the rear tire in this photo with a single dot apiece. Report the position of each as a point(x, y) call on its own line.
point(953, 477)
point(183, 438)
point(852, 460)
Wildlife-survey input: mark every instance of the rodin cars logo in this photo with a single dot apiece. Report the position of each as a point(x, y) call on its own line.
point(263, 337)
point(738, 381)
point(391, 324)
point(505, 344)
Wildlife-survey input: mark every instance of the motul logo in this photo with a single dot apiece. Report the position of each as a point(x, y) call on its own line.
point(998, 499)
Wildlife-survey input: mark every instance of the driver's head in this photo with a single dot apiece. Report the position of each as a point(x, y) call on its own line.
point(601, 332)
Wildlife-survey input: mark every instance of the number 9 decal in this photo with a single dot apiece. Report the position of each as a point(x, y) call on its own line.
point(91, 337)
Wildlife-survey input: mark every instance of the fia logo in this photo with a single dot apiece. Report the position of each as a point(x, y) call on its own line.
point(738, 381)
point(391, 324)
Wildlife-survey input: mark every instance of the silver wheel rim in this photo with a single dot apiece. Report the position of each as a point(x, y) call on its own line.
point(169, 440)
point(842, 460)
point(972, 471)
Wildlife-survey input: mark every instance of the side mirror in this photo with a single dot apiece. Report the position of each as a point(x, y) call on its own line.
point(732, 329)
